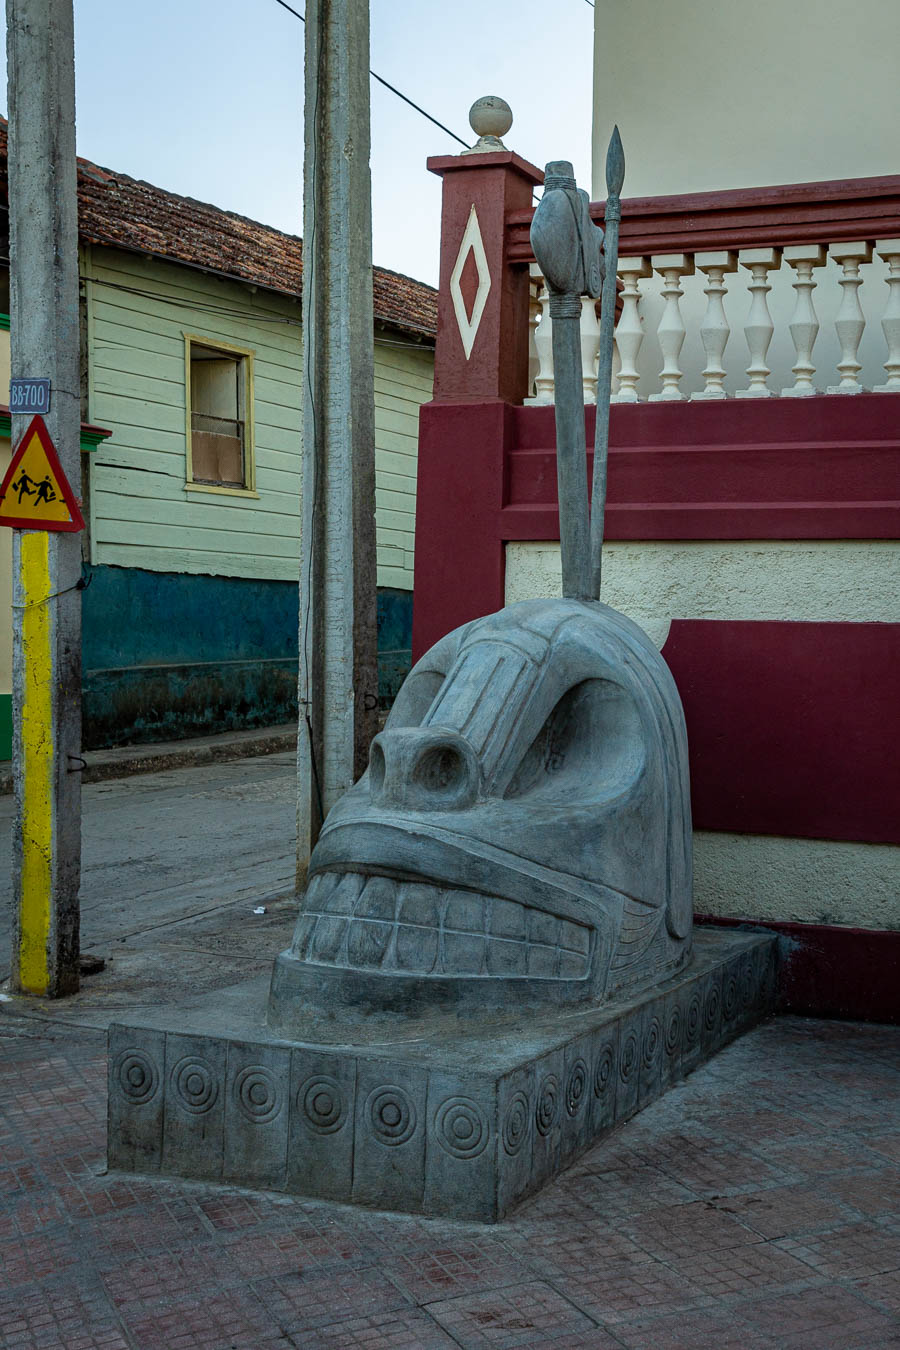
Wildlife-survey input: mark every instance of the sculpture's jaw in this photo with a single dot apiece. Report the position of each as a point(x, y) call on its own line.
point(375, 922)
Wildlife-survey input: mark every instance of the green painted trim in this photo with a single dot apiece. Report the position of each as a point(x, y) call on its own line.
point(89, 439)
point(4, 323)
point(6, 726)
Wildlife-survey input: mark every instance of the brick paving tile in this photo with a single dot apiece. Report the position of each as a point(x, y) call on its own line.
point(413, 1330)
point(785, 1211)
point(742, 1270)
point(873, 1193)
point(523, 1314)
point(849, 1252)
point(68, 1315)
point(619, 1290)
point(822, 1319)
point(164, 1276)
point(681, 1230)
point(695, 1329)
point(614, 1195)
point(888, 1144)
point(463, 1268)
point(301, 1302)
point(823, 1156)
point(882, 1290)
point(573, 1250)
point(225, 1321)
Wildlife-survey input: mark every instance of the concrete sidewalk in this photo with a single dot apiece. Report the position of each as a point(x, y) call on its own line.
point(173, 866)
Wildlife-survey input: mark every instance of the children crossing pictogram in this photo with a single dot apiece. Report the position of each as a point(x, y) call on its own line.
point(35, 493)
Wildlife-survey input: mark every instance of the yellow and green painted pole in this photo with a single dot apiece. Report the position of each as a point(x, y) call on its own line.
point(44, 333)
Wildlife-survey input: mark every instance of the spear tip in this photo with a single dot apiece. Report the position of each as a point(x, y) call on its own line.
point(615, 164)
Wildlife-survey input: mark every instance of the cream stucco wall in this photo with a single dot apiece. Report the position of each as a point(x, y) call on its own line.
point(832, 581)
point(738, 95)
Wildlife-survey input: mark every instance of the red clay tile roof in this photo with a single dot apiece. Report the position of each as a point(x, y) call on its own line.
point(122, 212)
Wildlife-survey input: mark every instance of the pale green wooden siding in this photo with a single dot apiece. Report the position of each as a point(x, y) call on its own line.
point(403, 381)
point(141, 515)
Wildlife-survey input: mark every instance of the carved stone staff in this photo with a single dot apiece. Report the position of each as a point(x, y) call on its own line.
point(566, 244)
point(615, 177)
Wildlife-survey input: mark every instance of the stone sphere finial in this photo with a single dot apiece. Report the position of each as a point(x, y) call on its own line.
point(490, 118)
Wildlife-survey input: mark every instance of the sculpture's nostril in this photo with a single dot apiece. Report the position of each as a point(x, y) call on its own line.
point(439, 768)
point(424, 768)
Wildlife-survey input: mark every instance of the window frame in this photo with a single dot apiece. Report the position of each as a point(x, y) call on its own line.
point(247, 355)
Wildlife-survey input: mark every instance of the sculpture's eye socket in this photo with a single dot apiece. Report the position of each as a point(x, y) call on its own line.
point(590, 745)
point(416, 696)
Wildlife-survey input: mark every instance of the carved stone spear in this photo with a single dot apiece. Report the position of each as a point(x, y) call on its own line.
point(615, 177)
point(566, 244)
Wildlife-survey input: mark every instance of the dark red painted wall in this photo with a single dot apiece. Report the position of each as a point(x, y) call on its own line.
point(793, 728)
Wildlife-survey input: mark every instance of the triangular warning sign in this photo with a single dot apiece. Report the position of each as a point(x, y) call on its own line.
point(35, 493)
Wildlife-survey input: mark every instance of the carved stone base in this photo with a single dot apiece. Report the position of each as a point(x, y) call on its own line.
point(464, 1121)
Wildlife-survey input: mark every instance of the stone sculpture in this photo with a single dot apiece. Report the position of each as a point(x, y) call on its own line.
point(493, 963)
point(522, 836)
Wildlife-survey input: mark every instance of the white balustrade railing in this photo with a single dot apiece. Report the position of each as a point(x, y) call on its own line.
point(806, 308)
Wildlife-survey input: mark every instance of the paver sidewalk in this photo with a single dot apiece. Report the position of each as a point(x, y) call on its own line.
point(756, 1206)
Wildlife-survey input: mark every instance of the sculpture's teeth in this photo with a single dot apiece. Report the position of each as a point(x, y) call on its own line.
point(376, 923)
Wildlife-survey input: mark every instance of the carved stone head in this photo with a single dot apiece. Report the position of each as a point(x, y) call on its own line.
point(522, 836)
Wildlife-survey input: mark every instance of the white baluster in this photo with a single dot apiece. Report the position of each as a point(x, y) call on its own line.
point(889, 249)
point(759, 327)
point(590, 347)
point(715, 329)
point(544, 387)
point(850, 321)
point(630, 328)
point(536, 281)
point(804, 323)
point(671, 331)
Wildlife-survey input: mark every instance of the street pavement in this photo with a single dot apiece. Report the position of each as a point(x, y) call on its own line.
point(757, 1205)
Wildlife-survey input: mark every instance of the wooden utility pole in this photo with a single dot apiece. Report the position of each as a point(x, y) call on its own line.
point(338, 661)
point(46, 566)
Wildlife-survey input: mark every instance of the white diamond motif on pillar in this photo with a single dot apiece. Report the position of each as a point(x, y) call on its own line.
point(471, 242)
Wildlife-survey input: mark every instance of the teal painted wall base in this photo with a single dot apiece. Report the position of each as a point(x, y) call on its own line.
point(171, 655)
point(5, 726)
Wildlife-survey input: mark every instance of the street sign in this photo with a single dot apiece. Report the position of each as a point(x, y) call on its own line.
point(29, 395)
point(35, 493)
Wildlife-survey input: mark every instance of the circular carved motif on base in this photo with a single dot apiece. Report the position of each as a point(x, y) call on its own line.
point(547, 1111)
point(692, 1019)
point(673, 1032)
point(730, 991)
point(576, 1087)
point(652, 1042)
point(747, 983)
point(628, 1057)
point(137, 1076)
point(712, 1008)
point(257, 1093)
point(392, 1114)
point(461, 1127)
point(515, 1124)
point(194, 1083)
point(603, 1069)
point(321, 1104)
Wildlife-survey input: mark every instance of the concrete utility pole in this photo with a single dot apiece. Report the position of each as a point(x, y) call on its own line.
point(338, 661)
point(46, 566)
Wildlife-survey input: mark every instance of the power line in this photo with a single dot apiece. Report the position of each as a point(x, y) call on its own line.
point(381, 80)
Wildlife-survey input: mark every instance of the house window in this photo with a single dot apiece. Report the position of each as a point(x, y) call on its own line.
point(219, 422)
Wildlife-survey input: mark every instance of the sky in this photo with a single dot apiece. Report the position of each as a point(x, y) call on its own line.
point(205, 98)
